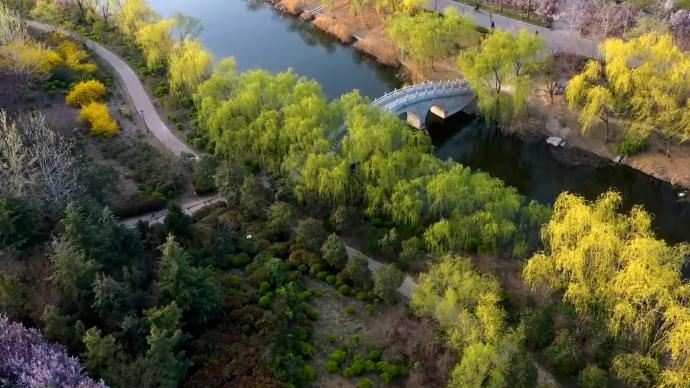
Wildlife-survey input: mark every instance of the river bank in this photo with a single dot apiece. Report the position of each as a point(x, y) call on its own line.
point(365, 31)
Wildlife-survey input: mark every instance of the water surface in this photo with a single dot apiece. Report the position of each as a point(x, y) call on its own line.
point(257, 36)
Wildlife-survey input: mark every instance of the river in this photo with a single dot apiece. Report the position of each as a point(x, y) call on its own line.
point(257, 36)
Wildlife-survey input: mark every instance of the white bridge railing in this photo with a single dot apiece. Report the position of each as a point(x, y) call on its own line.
point(404, 96)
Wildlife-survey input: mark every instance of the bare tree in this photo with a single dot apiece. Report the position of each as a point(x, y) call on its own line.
point(37, 162)
point(679, 23)
point(572, 14)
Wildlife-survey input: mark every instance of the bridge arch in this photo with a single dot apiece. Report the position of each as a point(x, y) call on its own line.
point(414, 119)
point(438, 110)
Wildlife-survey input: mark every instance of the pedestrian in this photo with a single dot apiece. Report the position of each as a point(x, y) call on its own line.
point(536, 32)
point(492, 25)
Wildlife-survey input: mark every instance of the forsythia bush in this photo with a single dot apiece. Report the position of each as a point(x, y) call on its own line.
point(75, 57)
point(98, 117)
point(85, 92)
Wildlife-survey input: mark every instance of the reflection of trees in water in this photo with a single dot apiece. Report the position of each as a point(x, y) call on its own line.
point(311, 35)
point(255, 5)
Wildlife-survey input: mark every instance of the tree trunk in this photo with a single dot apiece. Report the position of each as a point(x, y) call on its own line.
point(607, 130)
point(668, 147)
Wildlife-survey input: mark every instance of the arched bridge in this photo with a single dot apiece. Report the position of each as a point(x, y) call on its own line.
point(443, 99)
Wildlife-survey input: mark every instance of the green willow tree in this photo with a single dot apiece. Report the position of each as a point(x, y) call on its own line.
point(467, 306)
point(428, 37)
point(500, 72)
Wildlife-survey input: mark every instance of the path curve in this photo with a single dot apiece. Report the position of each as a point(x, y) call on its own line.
point(141, 100)
point(406, 289)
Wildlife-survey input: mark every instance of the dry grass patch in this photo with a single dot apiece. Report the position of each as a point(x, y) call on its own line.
point(294, 7)
point(334, 27)
point(382, 50)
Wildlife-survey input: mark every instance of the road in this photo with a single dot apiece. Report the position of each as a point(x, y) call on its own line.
point(557, 40)
point(140, 98)
point(189, 208)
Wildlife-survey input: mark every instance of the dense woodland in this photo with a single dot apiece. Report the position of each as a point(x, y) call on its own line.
point(227, 297)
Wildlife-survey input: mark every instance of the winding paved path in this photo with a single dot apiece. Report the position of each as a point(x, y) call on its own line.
point(141, 100)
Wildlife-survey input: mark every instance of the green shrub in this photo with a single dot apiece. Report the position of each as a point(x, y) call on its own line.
point(369, 308)
point(312, 314)
point(265, 302)
point(364, 383)
point(631, 144)
point(330, 279)
point(330, 366)
point(264, 286)
point(374, 355)
point(357, 368)
point(361, 296)
point(349, 310)
point(308, 374)
point(561, 353)
point(344, 289)
point(305, 295)
point(337, 356)
point(592, 377)
point(240, 260)
point(321, 275)
point(305, 349)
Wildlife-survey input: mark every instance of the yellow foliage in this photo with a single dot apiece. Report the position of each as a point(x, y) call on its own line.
point(85, 92)
point(611, 267)
point(98, 117)
point(156, 42)
point(75, 57)
point(29, 58)
point(190, 64)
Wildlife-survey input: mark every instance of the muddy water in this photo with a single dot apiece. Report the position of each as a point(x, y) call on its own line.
point(257, 36)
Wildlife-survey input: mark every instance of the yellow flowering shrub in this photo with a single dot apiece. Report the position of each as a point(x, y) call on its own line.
point(99, 119)
point(85, 92)
point(75, 57)
point(29, 58)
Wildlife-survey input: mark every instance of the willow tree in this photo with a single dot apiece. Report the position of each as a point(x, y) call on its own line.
point(646, 79)
point(190, 65)
point(466, 304)
point(155, 40)
point(133, 15)
point(428, 37)
point(500, 70)
point(594, 99)
point(609, 266)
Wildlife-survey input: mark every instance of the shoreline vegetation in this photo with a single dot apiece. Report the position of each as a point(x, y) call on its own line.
point(548, 118)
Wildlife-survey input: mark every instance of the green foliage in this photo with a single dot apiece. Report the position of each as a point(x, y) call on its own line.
point(280, 215)
point(369, 308)
point(100, 351)
point(349, 310)
point(631, 144)
point(253, 197)
point(502, 60)
point(593, 377)
point(357, 270)
point(191, 288)
point(19, 224)
point(636, 370)
point(561, 353)
point(426, 37)
point(364, 383)
point(344, 289)
point(311, 235)
point(387, 279)
point(411, 251)
point(334, 253)
point(466, 304)
point(203, 178)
